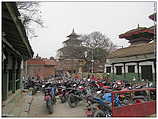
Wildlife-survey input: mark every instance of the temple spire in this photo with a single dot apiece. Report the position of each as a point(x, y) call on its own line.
point(73, 30)
point(73, 34)
point(138, 26)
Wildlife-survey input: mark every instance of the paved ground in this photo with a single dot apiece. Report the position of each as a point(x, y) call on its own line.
point(17, 107)
point(38, 109)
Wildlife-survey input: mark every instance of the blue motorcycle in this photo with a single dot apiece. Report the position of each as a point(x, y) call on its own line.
point(105, 104)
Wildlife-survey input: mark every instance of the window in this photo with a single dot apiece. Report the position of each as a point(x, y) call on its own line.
point(131, 69)
point(108, 69)
point(118, 70)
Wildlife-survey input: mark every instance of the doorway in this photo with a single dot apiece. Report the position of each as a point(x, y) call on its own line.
point(146, 72)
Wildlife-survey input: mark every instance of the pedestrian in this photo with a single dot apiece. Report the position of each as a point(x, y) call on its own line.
point(53, 90)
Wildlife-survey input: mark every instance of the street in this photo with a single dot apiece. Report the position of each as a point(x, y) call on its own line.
point(38, 108)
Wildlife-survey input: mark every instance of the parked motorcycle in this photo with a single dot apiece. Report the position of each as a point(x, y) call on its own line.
point(98, 108)
point(76, 95)
point(65, 94)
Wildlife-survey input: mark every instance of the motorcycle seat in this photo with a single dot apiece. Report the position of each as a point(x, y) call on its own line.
point(138, 97)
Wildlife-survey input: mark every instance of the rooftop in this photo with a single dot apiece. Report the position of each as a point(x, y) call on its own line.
point(138, 31)
point(134, 50)
point(41, 62)
point(73, 34)
point(14, 30)
point(153, 17)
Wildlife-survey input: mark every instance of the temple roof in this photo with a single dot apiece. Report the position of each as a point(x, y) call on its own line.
point(138, 31)
point(14, 30)
point(69, 40)
point(133, 50)
point(73, 34)
point(153, 17)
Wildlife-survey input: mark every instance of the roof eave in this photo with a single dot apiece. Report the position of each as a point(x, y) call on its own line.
point(13, 11)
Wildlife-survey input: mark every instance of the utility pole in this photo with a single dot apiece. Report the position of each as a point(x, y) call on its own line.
point(92, 61)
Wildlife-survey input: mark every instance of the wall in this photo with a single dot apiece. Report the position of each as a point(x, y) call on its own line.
point(130, 75)
point(42, 71)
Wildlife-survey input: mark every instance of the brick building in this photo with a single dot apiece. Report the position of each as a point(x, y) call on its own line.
point(40, 68)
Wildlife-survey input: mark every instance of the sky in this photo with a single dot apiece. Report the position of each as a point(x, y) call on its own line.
point(109, 18)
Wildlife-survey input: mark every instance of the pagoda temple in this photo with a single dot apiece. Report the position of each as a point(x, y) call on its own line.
point(70, 56)
point(72, 47)
point(139, 59)
point(139, 35)
point(73, 40)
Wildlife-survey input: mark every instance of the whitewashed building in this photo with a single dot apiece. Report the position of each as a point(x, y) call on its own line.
point(138, 59)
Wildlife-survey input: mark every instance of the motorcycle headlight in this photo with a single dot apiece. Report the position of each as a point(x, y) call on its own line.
point(89, 102)
point(80, 86)
point(98, 92)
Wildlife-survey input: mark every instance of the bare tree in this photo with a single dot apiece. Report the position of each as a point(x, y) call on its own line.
point(95, 44)
point(30, 15)
point(99, 43)
point(72, 52)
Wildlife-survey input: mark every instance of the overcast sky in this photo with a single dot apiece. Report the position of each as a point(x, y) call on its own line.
point(110, 18)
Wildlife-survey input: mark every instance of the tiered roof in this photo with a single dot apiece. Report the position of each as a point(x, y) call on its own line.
point(139, 48)
point(139, 31)
point(153, 17)
point(73, 34)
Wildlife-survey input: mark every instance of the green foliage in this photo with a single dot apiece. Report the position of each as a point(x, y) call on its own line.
point(129, 77)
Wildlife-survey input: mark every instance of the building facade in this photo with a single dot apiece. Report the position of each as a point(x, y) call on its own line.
point(70, 65)
point(41, 69)
point(138, 60)
point(16, 50)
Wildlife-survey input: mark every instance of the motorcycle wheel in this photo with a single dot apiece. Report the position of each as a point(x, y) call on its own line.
point(108, 113)
point(99, 113)
point(126, 101)
point(72, 101)
point(63, 99)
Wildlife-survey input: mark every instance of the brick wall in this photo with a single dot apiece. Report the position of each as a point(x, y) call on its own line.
point(41, 71)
